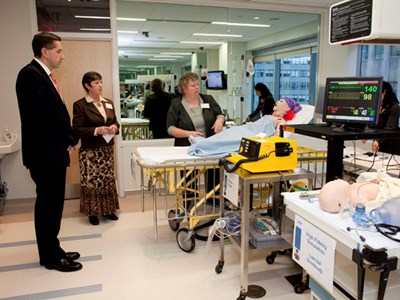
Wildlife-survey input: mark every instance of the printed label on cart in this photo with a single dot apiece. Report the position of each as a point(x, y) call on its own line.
point(231, 187)
point(314, 251)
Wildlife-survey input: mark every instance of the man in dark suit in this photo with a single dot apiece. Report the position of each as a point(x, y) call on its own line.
point(47, 139)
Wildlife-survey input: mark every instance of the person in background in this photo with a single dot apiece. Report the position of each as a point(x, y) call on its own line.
point(194, 114)
point(47, 139)
point(389, 120)
point(147, 93)
point(95, 121)
point(156, 109)
point(266, 103)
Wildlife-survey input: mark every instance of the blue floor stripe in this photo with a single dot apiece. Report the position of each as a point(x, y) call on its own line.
point(59, 293)
point(20, 267)
point(66, 238)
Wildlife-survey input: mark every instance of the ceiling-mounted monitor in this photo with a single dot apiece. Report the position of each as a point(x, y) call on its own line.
point(364, 21)
point(216, 80)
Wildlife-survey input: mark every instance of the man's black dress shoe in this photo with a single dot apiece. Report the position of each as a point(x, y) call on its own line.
point(94, 220)
point(112, 216)
point(64, 265)
point(72, 255)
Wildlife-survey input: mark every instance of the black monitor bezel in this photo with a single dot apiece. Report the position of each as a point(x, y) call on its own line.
point(354, 78)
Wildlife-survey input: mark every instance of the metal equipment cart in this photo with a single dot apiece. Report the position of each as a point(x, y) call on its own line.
point(246, 180)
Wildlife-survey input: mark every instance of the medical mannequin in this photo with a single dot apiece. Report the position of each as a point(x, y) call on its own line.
point(371, 189)
point(228, 141)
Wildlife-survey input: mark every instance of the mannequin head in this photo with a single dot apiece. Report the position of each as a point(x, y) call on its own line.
point(334, 195)
point(286, 108)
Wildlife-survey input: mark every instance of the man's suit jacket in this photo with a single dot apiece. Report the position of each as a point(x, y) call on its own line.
point(45, 123)
point(86, 117)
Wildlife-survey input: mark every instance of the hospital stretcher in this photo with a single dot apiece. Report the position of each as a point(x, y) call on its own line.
point(173, 174)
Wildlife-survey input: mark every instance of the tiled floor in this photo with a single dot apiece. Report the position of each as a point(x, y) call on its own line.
point(122, 260)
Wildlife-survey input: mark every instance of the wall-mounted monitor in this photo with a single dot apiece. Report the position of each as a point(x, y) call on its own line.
point(216, 80)
point(353, 102)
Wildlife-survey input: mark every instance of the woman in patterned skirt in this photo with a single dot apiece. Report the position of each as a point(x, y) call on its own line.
point(95, 122)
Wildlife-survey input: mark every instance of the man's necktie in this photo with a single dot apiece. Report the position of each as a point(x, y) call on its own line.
point(55, 83)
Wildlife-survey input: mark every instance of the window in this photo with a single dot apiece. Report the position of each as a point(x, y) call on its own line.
point(296, 85)
point(290, 72)
point(382, 60)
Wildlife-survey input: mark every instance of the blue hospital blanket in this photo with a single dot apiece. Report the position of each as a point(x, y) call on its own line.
point(228, 140)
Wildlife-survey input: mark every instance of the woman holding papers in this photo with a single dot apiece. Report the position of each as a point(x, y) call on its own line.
point(95, 122)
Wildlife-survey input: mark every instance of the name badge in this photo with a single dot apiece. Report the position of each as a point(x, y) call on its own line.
point(205, 105)
point(108, 105)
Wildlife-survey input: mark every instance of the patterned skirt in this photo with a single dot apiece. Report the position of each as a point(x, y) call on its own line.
point(98, 188)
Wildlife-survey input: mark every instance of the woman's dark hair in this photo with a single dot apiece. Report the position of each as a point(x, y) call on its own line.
point(269, 102)
point(390, 96)
point(43, 40)
point(89, 77)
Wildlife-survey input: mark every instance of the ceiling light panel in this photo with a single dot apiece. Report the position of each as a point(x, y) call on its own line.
point(218, 34)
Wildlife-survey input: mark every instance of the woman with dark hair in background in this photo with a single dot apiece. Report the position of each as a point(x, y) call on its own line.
point(266, 103)
point(96, 124)
point(389, 120)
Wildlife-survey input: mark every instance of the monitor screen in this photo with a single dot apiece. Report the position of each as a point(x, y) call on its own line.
point(352, 101)
point(216, 80)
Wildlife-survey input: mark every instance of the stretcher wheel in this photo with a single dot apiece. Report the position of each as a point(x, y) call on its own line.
point(270, 259)
point(172, 220)
point(185, 239)
point(219, 267)
point(299, 288)
point(241, 297)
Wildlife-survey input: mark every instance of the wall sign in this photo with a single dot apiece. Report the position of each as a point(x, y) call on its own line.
point(350, 20)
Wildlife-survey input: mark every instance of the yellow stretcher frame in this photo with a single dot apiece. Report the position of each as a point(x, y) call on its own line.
point(166, 176)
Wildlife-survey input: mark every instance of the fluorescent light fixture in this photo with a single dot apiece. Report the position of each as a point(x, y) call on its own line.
point(176, 53)
point(201, 42)
point(127, 31)
point(240, 24)
point(93, 17)
point(131, 19)
point(94, 29)
point(217, 34)
point(168, 56)
point(161, 59)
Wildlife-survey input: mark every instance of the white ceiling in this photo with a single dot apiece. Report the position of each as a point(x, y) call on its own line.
point(168, 24)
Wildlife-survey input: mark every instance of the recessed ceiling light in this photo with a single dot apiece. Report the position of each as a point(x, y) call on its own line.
point(161, 59)
point(92, 17)
point(217, 34)
point(241, 24)
point(176, 53)
point(94, 29)
point(168, 56)
point(131, 19)
point(256, 18)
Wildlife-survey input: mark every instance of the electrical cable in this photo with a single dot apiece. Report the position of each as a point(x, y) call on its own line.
point(224, 162)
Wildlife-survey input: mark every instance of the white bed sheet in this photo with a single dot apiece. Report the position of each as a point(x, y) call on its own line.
point(158, 155)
